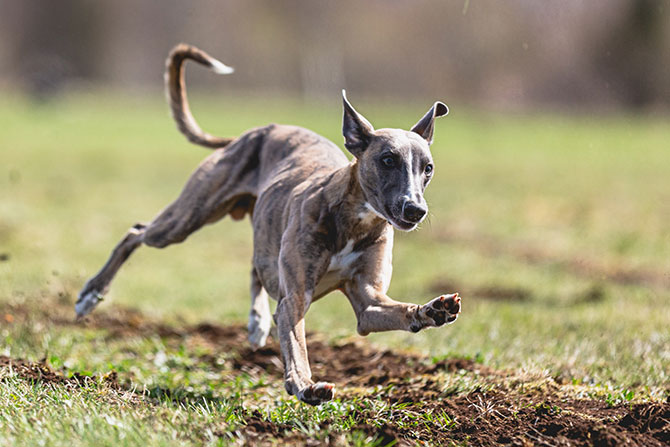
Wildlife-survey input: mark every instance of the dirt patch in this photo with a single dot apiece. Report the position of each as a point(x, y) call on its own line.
point(350, 363)
point(493, 419)
point(118, 323)
point(479, 418)
point(418, 407)
point(40, 372)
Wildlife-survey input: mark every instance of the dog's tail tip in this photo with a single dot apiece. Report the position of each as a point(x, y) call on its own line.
point(183, 51)
point(220, 68)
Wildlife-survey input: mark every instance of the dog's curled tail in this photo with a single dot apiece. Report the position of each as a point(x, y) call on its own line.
point(175, 90)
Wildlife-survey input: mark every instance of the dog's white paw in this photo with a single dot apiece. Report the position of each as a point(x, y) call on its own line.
point(259, 329)
point(87, 301)
point(441, 310)
point(317, 393)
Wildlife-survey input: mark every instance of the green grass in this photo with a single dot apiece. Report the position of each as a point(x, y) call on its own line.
point(572, 210)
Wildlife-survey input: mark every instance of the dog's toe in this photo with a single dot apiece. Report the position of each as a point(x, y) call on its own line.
point(441, 310)
point(452, 304)
point(317, 393)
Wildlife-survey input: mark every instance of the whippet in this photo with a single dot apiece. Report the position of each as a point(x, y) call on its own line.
point(320, 222)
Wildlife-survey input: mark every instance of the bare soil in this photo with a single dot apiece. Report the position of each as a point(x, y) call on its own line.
point(40, 372)
point(497, 415)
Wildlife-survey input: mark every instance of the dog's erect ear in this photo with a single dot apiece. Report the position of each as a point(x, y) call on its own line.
point(426, 124)
point(355, 128)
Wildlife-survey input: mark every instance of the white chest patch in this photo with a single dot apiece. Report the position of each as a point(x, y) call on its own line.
point(343, 259)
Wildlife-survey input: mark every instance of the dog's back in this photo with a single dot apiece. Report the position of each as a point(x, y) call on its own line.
point(273, 159)
point(294, 153)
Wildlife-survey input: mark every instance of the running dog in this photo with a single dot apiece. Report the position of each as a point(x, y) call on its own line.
point(320, 222)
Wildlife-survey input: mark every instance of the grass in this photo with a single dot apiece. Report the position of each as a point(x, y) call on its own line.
point(553, 227)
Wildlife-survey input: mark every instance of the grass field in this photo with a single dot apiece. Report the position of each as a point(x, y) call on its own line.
point(554, 229)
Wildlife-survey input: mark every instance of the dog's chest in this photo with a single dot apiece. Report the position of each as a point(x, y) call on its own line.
point(343, 260)
point(341, 266)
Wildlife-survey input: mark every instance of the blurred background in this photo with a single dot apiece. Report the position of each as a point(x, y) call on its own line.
point(516, 54)
point(550, 201)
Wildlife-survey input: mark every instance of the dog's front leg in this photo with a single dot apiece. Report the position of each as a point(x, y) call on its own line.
point(297, 374)
point(296, 282)
point(377, 312)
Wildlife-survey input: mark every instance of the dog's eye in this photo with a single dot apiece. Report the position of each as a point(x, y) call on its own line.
point(428, 169)
point(388, 161)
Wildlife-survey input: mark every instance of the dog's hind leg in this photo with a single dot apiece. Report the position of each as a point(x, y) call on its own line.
point(260, 318)
point(223, 184)
point(171, 226)
point(96, 287)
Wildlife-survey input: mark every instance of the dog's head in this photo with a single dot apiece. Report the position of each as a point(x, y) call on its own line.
point(394, 165)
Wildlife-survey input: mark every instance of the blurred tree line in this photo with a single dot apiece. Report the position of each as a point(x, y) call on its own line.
point(517, 53)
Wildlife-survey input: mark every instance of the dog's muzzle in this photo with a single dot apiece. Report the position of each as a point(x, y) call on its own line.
point(413, 212)
point(407, 216)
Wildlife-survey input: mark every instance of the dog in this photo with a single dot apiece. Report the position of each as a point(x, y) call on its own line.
point(320, 222)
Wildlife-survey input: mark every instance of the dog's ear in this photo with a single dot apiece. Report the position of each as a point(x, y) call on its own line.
point(355, 128)
point(425, 125)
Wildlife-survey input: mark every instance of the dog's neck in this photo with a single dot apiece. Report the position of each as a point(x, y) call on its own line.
point(354, 211)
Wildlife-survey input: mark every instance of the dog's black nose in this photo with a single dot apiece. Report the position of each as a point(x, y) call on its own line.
point(413, 212)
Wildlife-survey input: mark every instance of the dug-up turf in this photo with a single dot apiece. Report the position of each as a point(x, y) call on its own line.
point(40, 372)
point(503, 412)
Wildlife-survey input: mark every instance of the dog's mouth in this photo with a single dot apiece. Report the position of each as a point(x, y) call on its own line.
point(398, 222)
point(403, 225)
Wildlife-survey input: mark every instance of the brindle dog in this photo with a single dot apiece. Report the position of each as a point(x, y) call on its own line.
point(320, 222)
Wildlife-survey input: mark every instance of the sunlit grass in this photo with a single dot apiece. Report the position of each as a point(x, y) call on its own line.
point(587, 197)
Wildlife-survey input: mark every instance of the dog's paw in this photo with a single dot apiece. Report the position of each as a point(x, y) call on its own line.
point(442, 310)
point(88, 299)
point(317, 393)
point(259, 329)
